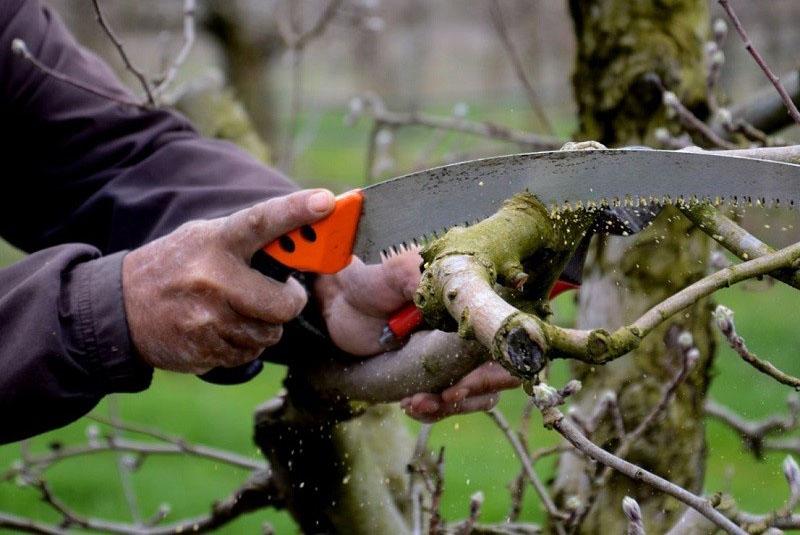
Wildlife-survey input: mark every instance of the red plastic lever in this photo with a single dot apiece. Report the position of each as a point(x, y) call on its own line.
point(408, 319)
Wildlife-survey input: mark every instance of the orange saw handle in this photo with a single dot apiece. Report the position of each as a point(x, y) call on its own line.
point(327, 245)
point(409, 318)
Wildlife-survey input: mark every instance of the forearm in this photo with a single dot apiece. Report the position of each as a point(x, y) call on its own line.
point(65, 342)
point(92, 170)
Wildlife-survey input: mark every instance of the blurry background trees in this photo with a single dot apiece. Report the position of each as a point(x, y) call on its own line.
point(442, 58)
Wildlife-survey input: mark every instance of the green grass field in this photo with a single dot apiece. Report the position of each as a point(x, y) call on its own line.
point(478, 458)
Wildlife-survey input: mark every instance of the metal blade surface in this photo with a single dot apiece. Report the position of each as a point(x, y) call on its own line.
point(413, 208)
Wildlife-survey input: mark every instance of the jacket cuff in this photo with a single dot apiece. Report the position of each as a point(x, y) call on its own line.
point(102, 327)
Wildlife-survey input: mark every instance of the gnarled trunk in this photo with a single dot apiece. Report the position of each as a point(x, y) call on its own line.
point(621, 44)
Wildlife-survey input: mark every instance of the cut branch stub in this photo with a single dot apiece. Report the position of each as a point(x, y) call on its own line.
point(463, 266)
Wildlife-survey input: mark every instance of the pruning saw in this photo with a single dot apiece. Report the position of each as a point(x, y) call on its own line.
point(386, 218)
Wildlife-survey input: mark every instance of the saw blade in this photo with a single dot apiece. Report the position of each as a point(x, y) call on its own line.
point(415, 208)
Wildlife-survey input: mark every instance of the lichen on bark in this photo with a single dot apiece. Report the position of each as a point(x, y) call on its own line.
point(620, 43)
point(463, 267)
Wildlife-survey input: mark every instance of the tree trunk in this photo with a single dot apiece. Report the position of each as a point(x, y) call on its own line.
point(250, 44)
point(620, 44)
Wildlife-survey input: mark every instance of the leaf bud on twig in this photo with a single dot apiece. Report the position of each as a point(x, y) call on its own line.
point(723, 316)
point(634, 514)
point(545, 396)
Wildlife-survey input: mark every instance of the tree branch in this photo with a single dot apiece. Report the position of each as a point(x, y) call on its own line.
point(189, 10)
point(552, 511)
point(501, 29)
point(20, 48)
point(555, 419)
point(148, 91)
point(723, 317)
point(787, 99)
point(372, 106)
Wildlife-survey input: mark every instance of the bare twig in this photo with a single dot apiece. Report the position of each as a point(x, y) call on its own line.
point(475, 504)
point(764, 109)
point(756, 433)
point(525, 460)
point(296, 40)
point(734, 238)
point(417, 475)
point(693, 123)
point(689, 357)
point(372, 106)
point(122, 466)
point(436, 496)
point(161, 86)
point(148, 90)
point(19, 48)
point(567, 429)
point(256, 493)
point(776, 82)
point(44, 461)
point(501, 29)
point(723, 317)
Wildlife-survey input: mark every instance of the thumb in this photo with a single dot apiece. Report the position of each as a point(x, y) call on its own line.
point(250, 229)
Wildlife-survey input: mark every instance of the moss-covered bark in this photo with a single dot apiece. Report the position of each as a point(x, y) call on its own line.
point(619, 44)
point(463, 267)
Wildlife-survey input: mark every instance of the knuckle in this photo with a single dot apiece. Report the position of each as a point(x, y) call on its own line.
point(256, 220)
point(288, 304)
point(273, 335)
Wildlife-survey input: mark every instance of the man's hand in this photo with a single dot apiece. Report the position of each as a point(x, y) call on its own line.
point(192, 301)
point(356, 304)
point(479, 390)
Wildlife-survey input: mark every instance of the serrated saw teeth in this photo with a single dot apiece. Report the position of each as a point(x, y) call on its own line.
point(644, 205)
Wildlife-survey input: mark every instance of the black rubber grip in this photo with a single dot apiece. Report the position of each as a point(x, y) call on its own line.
point(265, 264)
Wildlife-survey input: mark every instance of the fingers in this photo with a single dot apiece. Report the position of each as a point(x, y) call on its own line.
point(430, 408)
point(476, 391)
point(380, 289)
point(255, 296)
point(248, 230)
point(487, 378)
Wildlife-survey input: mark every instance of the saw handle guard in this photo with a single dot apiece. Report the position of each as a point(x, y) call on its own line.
point(324, 247)
point(409, 318)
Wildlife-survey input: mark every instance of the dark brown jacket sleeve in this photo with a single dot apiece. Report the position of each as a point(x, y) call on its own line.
point(90, 178)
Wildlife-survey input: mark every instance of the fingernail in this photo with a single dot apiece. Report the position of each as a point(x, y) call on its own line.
point(321, 201)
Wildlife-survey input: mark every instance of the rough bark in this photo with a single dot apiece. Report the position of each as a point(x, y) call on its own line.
point(620, 44)
point(250, 43)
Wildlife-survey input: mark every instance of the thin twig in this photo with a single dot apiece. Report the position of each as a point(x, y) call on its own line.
point(46, 460)
point(372, 106)
point(755, 434)
point(555, 419)
point(151, 99)
point(20, 48)
point(522, 455)
point(748, 44)
point(256, 493)
point(128, 491)
point(498, 21)
point(296, 40)
point(723, 317)
point(189, 10)
point(691, 122)
point(418, 473)
point(436, 496)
